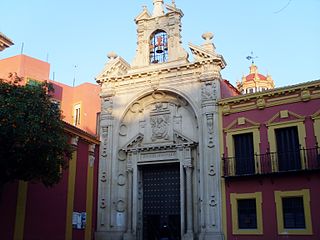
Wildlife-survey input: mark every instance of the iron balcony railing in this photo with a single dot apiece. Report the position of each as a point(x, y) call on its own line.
point(272, 162)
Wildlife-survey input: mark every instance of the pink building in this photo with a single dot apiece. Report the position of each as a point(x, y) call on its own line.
point(271, 163)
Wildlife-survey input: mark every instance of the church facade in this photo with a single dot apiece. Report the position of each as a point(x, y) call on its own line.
point(159, 169)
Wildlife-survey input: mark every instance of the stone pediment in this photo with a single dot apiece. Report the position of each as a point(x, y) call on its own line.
point(135, 142)
point(114, 68)
point(143, 15)
point(178, 139)
point(200, 53)
point(285, 116)
point(241, 123)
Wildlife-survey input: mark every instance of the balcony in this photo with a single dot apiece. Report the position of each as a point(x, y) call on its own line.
point(272, 163)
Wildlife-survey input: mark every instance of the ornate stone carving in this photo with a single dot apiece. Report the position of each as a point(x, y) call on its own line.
point(102, 203)
point(121, 206)
point(212, 171)
point(213, 201)
point(103, 177)
point(136, 107)
point(122, 155)
point(261, 103)
point(74, 141)
point(123, 130)
point(207, 91)
point(158, 95)
point(160, 121)
point(121, 180)
point(107, 105)
point(210, 126)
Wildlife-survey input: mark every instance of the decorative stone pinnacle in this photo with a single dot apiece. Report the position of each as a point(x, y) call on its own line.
point(112, 55)
point(157, 8)
point(207, 36)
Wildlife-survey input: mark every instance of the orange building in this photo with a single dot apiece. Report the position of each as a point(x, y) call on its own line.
point(80, 105)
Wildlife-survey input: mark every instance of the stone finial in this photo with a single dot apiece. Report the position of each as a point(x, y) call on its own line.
point(112, 55)
point(208, 45)
point(157, 8)
point(207, 36)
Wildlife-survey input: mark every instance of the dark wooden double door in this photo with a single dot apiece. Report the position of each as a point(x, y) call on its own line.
point(161, 202)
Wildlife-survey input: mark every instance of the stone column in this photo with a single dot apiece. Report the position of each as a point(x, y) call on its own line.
point(189, 196)
point(189, 199)
point(129, 234)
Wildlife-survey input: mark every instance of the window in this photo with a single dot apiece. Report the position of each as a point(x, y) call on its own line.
point(244, 153)
point(246, 213)
point(288, 149)
point(293, 212)
point(159, 47)
point(76, 114)
point(287, 135)
point(98, 124)
point(243, 142)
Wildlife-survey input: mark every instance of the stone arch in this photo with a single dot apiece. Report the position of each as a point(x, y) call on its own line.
point(172, 108)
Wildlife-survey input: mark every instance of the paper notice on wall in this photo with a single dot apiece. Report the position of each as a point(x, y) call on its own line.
point(120, 219)
point(79, 220)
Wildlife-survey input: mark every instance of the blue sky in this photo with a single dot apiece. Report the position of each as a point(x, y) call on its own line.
point(69, 33)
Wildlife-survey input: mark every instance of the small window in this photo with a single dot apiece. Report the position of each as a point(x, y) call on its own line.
point(250, 90)
point(246, 211)
point(247, 214)
point(293, 212)
point(98, 124)
point(76, 114)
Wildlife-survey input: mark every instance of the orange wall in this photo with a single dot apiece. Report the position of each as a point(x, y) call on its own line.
point(87, 94)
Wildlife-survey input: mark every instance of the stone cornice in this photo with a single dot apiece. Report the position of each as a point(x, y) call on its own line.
point(74, 131)
point(160, 69)
point(5, 42)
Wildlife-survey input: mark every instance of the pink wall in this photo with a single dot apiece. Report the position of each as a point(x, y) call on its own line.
point(46, 211)
point(262, 116)
point(267, 185)
point(8, 204)
point(80, 186)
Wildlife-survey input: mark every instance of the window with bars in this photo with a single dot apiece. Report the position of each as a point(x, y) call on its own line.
point(293, 212)
point(247, 213)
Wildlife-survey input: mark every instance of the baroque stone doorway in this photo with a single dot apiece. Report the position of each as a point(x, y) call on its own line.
point(161, 201)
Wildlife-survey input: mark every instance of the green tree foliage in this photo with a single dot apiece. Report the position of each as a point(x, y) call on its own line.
point(33, 145)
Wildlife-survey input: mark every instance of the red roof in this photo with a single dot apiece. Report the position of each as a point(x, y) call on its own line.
point(251, 76)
